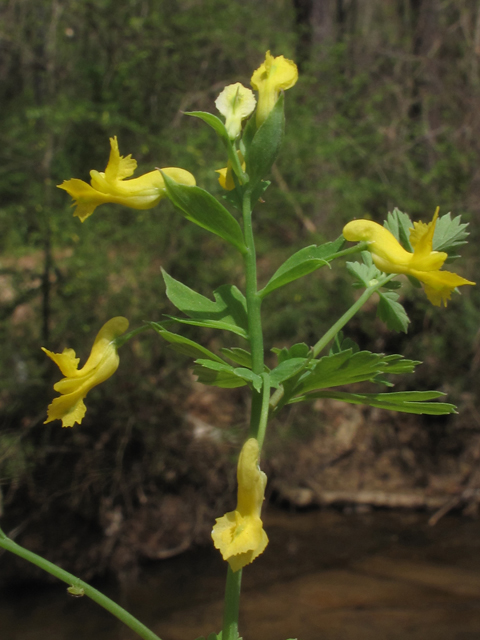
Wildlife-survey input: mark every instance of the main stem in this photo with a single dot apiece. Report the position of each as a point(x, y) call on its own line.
point(232, 604)
point(259, 404)
point(254, 302)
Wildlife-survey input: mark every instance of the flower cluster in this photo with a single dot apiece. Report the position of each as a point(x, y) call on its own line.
point(236, 102)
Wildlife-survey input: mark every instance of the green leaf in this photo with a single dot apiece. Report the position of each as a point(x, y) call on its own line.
point(198, 206)
point(266, 143)
point(286, 370)
point(392, 312)
point(219, 127)
point(212, 120)
point(450, 234)
point(184, 345)
point(364, 274)
point(394, 284)
point(299, 350)
point(342, 344)
point(240, 356)
point(235, 197)
point(339, 369)
point(221, 376)
point(393, 365)
point(302, 263)
point(228, 311)
point(399, 224)
point(404, 401)
point(347, 367)
point(397, 364)
point(249, 131)
point(225, 376)
point(210, 324)
point(248, 375)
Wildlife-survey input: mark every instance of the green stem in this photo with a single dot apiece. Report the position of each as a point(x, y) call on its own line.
point(232, 604)
point(99, 598)
point(348, 315)
point(277, 397)
point(254, 302)
point(259, 410)
point(121, 340)
point(235, 162)
point(358, 248)
point(264, 410)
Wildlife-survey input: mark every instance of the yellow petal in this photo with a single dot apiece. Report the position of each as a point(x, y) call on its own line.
point(180, 175)
point(278, 73)
point(239, 534)
point(382, 244)
point(239, 539)
point(439, 285)
point(424, 264)
point(119, 167)
point(225, 179)
point(101, 364)
point(421, 238)
point(66, 361)
point(251, 481)
point(143, 192)
point(147, 185)
point(273, 75)
point(235, 103)
point(86, 199)
point(104, 341)
point(69, 409)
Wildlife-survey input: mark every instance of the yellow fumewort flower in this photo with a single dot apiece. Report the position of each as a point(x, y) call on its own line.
point(239, 534)
point(139, 193)
point(101, 364)
point(271, 77)
point(424, 263)
point(235, 103)
point(225, 177)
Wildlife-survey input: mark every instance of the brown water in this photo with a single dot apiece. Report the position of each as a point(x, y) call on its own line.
point(324, 576)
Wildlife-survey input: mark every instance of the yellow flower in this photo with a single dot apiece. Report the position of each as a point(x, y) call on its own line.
point(424, 263)
point(239, 534)
point(139, 193)
point(272, 76)
point(225, 177)
point(101, 364)
point(236, 103)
